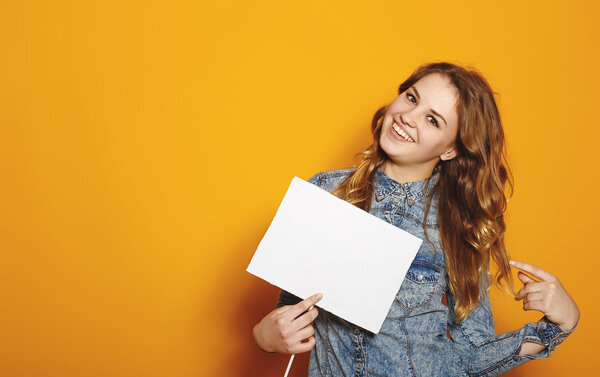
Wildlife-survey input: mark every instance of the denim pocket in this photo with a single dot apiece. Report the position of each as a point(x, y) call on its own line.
point(419, 285)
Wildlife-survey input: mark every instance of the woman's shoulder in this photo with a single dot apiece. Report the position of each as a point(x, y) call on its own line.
point(330, 179)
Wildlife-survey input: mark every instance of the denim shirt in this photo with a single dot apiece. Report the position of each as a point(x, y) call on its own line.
point(413, 339)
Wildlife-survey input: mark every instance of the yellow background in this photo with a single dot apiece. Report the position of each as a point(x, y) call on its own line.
point(145, 146)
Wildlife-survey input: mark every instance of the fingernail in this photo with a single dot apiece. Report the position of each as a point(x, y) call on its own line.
point(319, 296)
point(512, 262)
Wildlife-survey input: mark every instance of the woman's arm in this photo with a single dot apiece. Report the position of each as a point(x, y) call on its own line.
point(548, 296)
point(484, 353)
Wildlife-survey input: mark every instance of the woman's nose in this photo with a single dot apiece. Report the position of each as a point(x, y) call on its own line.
point(407, 119)
point(403, 118)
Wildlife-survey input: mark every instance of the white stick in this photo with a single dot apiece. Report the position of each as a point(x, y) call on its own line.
point(289, 366)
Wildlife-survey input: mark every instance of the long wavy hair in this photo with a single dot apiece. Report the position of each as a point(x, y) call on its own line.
point(470, 190)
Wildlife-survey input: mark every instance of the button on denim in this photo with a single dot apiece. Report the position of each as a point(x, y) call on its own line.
point(413, 339)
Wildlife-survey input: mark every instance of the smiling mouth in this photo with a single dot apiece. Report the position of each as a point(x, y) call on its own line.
point(401, 132)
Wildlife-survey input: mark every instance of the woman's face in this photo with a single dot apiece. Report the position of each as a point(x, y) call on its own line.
point(421, 124)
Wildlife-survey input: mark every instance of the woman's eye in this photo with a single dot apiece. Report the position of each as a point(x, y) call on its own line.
point(432, 120)
point(411, 98)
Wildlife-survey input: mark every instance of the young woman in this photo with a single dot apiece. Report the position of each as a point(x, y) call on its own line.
point(436, 169)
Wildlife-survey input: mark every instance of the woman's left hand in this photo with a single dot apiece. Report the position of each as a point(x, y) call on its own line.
point(547, 295)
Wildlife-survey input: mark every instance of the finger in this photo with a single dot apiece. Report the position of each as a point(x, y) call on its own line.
point(533, 270)
point(306, 318)
point(534, 305)
point(528, 289)
point(535, 297)
point(306, 333)
point(306, 346)
point(525, 279)
point(304, 305)
point(281, 309)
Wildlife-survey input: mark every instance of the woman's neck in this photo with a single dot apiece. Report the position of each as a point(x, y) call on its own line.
point(403, 174)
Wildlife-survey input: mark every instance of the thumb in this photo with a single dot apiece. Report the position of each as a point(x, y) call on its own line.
point(524, 278)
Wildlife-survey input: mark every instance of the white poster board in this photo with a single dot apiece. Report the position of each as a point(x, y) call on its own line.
point(320, 243)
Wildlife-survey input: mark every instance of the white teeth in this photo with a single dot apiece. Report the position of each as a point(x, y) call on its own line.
point(401, 132)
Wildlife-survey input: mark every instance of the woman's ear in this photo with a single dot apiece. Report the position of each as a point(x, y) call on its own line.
point(449, 154)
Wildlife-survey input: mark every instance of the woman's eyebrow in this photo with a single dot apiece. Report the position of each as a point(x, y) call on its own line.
point(438, 114)
point(432, 110)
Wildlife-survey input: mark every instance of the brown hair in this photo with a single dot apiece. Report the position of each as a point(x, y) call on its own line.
point(470, 188)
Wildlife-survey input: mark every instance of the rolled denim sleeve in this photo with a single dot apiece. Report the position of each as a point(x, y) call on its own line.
point(483, 353)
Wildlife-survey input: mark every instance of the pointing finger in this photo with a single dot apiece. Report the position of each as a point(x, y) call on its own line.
point(533, 270)
point(304, 305)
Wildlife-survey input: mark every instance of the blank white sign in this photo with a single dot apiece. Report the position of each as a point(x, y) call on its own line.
point(320, 243)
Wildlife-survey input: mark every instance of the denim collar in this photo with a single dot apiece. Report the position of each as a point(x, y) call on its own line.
point(413, 191)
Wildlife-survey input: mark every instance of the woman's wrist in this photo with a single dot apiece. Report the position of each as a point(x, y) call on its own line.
point(569, 326)
point(258, 339)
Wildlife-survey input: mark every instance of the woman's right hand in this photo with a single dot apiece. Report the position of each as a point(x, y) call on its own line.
point(286, 329)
